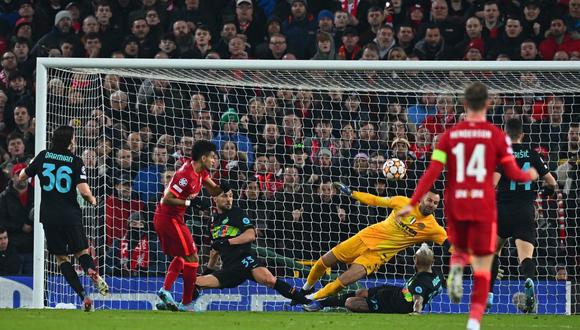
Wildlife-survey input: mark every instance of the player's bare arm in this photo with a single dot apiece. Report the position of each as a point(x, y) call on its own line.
point(496, 178)
point(170, 199)
point(212, 187)
point(213, 259)
point(85, 191)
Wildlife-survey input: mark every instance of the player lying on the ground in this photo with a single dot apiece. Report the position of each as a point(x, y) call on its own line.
point(174, 236)
point(516, 211)
point(232, 234)
point(61, 173)
point(410, 298)
point(375, 245)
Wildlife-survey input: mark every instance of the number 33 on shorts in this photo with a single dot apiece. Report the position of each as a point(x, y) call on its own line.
point(249, 262)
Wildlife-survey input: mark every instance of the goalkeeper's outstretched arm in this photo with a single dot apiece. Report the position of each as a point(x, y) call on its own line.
point(365, 198)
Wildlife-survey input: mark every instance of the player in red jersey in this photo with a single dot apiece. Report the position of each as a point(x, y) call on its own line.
point(472, 149)
point(175, 237)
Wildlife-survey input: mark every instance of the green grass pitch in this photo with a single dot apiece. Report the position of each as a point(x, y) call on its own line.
point(123, 320)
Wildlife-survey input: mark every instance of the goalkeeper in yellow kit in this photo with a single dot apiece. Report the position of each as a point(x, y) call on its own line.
point(375, 245)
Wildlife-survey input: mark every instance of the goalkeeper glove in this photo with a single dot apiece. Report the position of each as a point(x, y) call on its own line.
point(343, 188)
point(220, 243)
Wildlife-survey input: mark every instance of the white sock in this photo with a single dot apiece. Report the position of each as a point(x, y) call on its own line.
point(306, 286)
point(310, 296)
point(473, 324)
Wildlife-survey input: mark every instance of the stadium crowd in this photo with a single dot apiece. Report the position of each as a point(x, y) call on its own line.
point(282, 148)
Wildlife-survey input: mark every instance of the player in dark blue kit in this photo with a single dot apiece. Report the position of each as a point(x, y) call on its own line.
point(60, 174)
point(516, 213)
point(417, 292)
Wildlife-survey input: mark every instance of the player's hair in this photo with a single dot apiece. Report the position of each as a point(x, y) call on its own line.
point(514, 128)
point(62, 138)
point(424, 257)
point(476, 96)
point(225, 186)
point(202, 148)
point(434, 190)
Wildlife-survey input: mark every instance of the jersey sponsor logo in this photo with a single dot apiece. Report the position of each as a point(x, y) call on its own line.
point(183, 182)
point(469, 193)
point(177, 188)
point(225, 221)
point(246, 221)
point(405, 228)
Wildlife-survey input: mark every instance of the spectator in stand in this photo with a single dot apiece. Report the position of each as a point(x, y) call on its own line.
point(147, 181)
point(419, 112)
point(232, 165)
point(145, 39)
point(529, 51)
point(270, 141)
point(433, 46)
point(228, 31)
point(229, 123)
point(250, 22)
point(551, 132)
point(492, 21)
point(326, 22)
point(368, 138)
point(349, 48)
point(300, 30)
point(23, 29)
point(202, 44)
point(322, 139)
point(416, 16)
point(18, 94)
point(24, 127)
point(21, 50)
point(253, 123)
point(385, 40)
point(10, 262)
point(118, 207)
point(257, 208)
point(422, 146)
point(62, 30)
point(110, 34)
point(9, 67)
point(277, 47)
point(237, 48)
point(341, 22)
point(406, 37)
point(183, 37)
point(509, 39)
point(93, 46)
point(451, 31)
point(533, 21)
point(375, 20)
point(267, 179)
point(558, 39)
point(90, 25)
point(573, 18)
point(376, 162)
point(17, 153)
point(445, 117)
point(473, 31)
point(291, 198)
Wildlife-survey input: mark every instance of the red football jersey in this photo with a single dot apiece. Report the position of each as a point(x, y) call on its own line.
point(472, 151)
point(186, 183)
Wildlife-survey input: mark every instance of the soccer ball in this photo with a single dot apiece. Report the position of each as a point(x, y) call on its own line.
point(394, 169)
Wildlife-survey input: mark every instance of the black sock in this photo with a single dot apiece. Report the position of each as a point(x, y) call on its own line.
point(494, 271)
point(70, 275)
point(290, 292)
point(528, 268)
point(87, 263)
point(336, 301)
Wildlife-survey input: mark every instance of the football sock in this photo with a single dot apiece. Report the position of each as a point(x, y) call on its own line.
point(70, 275)
point(528, 268)
point(459, 258)
point(315, 274)
point(189, 276)
point(175, 268)
point(337, 301)
point(289, 292)
point(494, 271)
point(87, 263)
point(481, 280)
point(330, 289)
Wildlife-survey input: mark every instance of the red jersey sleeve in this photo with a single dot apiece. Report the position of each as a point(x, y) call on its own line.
point(180, 184)
point(503, 146)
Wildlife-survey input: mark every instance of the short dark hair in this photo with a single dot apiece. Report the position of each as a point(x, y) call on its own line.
point(202, 148)
point(476, 96)
point(14, 136)
point(434, 190)
point(3, 230)
point(514, 128)
point(92, 36)
point(62, 138)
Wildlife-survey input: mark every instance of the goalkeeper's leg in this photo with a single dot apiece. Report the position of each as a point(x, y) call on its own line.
point(354, 273)
point(326, 261)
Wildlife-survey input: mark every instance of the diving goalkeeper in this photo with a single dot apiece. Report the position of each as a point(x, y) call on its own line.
point(375, 245)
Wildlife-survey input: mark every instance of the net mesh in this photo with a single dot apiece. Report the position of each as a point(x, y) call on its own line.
point(283, 136)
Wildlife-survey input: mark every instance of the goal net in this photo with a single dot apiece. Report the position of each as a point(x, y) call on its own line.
point(285, 131)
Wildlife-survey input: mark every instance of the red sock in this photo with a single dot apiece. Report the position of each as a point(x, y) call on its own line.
point(481, 281)
point(173, 272)
point(189, 276)
point(460, 258)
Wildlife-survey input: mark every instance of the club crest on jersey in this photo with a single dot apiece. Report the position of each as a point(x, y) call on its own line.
point(183, 182)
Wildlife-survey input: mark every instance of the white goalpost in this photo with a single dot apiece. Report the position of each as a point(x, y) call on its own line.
point(285, 130)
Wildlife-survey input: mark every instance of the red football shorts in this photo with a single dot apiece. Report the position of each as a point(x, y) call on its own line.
point(476, 237)
point(175, 237)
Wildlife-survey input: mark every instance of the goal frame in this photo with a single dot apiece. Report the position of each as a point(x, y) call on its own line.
point(45, 64)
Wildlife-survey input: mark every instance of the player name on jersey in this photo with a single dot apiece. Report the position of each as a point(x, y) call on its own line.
point(63, 158)
point(471, 134)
